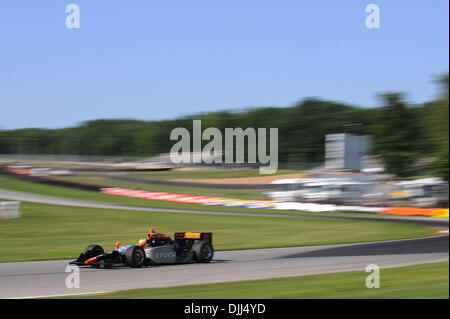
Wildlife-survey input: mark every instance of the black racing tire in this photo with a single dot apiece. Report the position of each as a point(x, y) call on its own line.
point(135, 256)
point(93, 250)
point(203, 251)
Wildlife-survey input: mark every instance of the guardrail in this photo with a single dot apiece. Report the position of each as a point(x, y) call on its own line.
point(10, 210)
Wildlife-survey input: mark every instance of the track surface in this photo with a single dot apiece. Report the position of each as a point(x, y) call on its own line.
point(47, 278)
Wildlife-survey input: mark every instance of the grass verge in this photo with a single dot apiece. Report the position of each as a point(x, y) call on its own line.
point(211, 191)
point(418, 281)
point(14, 184)
point(57, 232)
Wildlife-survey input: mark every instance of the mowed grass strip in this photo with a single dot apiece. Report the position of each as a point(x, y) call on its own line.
point(418, 281)
point(58, 232)
point(211, 191)
point(207, 174)
point(15, 184)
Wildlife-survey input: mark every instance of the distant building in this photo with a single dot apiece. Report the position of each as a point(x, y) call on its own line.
point(346, 151)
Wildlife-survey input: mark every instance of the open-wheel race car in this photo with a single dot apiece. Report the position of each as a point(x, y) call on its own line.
point(158, 248)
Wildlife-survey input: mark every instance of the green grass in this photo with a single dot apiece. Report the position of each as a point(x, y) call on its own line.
point(56, 232)
point(177, 173)
point(207, 174)
point(102, 179)
point(105, 181)
point(15, 184)
point(419, 281)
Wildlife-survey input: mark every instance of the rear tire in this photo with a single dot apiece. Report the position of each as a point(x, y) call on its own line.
point(93, 250)
point(203, 251)
point(135, 256)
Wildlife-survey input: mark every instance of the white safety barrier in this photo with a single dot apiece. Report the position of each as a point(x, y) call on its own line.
point(10, 210)
point(219, 201)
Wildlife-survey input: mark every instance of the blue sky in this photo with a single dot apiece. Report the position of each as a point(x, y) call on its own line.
point(159, 59)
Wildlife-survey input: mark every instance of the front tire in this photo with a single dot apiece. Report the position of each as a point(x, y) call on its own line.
point(135, 256)
point(93, 251)
point(203, 251)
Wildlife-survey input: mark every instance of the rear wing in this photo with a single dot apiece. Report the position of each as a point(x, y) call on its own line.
point(194, 236)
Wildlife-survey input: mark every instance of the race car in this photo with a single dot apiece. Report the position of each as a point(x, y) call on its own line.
point(158, 248)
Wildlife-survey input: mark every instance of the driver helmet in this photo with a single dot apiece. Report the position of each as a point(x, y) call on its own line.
point(142, 241)
point(151, 234)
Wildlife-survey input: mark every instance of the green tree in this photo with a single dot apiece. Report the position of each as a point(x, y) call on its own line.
point(440, 130)
point(397, 133)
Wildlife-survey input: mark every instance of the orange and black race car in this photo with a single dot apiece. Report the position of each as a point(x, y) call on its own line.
point(157, 248)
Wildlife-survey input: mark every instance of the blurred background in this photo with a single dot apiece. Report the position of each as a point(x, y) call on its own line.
point(345, 98)
point(362, 116)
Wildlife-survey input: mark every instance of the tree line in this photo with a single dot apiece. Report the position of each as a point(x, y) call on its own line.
point(411, 139)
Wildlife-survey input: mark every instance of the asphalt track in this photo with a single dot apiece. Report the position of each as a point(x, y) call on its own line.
point(48, 278)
